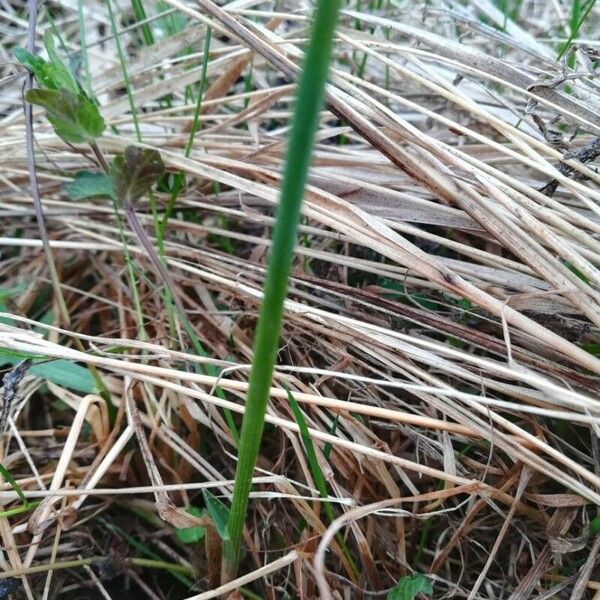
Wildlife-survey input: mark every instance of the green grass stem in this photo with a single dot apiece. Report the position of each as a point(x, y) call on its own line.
point(311, 89)
point(317, 474)
point(179, 179)
point(140, 15)
point(311, 455)
point(579, 13)
point(122, 61)
point(83, 47)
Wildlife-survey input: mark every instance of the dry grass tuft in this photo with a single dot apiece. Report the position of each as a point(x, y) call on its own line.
point(441, 334)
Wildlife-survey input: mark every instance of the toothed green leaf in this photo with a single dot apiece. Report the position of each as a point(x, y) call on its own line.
point(134, 172)
point(53, 74)
point(74, 117)
point(89, 185)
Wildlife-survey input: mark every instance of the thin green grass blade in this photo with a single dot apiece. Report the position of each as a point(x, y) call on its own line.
point(19, 510)
point(13, 484)
point(578, 16)
point(122, 62)
point(177, 187)
point(140, 15)
point(83, 46)
point(178, 183)
point(306, 114)
point(317, 474)
point(213, 372)
point(311, 454)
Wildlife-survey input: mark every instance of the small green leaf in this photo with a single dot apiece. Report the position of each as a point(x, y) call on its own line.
point(191, 535)
point(218, 512)
point(65, 373)
point(75, 117)
point(59, 73)
point(37, 65)
point(30, 61)
point(52, 75)
point(134, 172)
point(465, 304)
point(89, 185)
point(13, 484)
point(410, 587)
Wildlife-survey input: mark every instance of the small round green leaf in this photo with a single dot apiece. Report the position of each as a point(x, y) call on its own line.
point(192, 535)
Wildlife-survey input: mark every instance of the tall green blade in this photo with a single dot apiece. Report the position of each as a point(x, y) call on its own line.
point(308, 103)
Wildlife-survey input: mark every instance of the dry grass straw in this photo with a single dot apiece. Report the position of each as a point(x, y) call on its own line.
point(441, 328)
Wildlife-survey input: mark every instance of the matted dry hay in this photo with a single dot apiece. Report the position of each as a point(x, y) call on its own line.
point(441, 331)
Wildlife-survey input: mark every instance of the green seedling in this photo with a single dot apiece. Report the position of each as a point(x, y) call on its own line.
point(133, 173)
point(74, 116)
